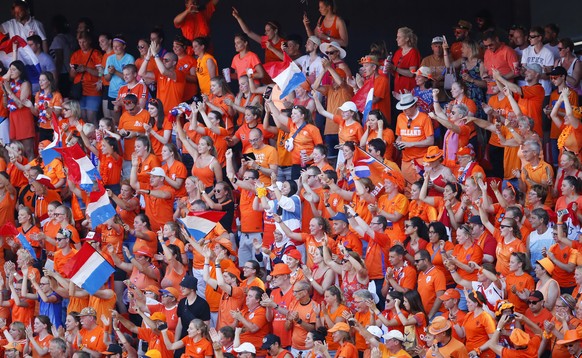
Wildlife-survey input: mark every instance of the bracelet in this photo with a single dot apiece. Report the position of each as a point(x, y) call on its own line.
point(131, 258)
point(149, 191)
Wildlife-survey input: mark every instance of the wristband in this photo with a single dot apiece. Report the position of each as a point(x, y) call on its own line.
point(299, 321)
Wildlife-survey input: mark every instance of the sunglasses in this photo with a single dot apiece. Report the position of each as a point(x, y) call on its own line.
point(409, 123)
point(417, 261)
point(533, 302)
point(141, 47)
point(331, 52)
point(534, 36)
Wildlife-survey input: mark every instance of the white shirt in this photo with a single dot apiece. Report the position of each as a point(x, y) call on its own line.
point(544, 58)
point(31, 27)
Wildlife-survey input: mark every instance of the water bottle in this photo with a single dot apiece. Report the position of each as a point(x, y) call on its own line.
point(387, 61)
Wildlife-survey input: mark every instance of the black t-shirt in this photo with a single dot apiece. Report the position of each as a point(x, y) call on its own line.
point(199, 309)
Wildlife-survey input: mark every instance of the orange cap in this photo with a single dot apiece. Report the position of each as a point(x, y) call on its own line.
point(519, 338)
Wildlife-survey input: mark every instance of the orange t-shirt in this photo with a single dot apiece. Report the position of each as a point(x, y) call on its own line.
point(110, 169)
point(566, 255)
point(251, 221)
point(258, 317)
point(235, 301)
point(170, 91)
point(377, 254)
point(177, 171)
point(306, 139)
point(429, 283)
point(44, 343)
point(243, 133)
point(185, 65)
point(521, 283)
point(199, 349)
point(132, 123)
point(93, 339)
point(265, 157)
point(477, 331)
point(419, 129)
point(91, 59)
point(504, 251)
point(218, 101)
point(197, 24)
point(307, 314)
point(348, 133)
point(531, 103)
point(159, 210)
point(398, 204)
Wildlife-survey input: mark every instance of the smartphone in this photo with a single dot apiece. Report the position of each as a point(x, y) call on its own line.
point(267, 94)
point(562, 212)
point(249, 156)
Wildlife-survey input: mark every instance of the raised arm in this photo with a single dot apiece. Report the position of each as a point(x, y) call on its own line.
point(244, 27)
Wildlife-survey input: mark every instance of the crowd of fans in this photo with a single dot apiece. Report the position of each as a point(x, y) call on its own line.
point(443, 222)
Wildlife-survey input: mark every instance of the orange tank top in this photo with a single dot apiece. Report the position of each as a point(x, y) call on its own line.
point(204, 174)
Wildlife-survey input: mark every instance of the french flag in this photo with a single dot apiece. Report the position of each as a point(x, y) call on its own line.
point(290, 78)
point(49, 153)
point(99, 208)
point(81, 170)
point(201, 223)
point(90, 270)
point(25, 54)
point(363, 98)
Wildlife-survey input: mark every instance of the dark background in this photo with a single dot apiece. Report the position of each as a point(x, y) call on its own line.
point(368, 20)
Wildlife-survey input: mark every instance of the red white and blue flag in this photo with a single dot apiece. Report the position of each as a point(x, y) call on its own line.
point(201, 223)
point(363, 99)
point(81, 170)
point(49, 153)
point(90, 270)
point(99, 208)
point(366, 166)
point(290, 78)
point(25, 54)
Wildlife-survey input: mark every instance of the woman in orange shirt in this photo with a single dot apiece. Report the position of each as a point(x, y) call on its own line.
point(172, 232)
point(350, 128)
point(175, 269)
point(197, 342)
point(146, 158)
point(303, 136)
point(175, 170)
point(143, 233)
point(341, 335)
point(7, 200)
point(110, 161)
point(206, 167)
point(478, 325)
point(377, 127)
point(40, 342)
point(46, 101)
point(414, 321)
point(16, 154)
point(127, 203)
point(215, 101)
point(85, 69)
point(319, 156)
point(330, 27)
point(28, 228)
point(214, 129)
point(158, 130)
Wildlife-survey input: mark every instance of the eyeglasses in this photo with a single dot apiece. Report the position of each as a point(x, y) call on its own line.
point(533, 302)
point(331, 52)
point(417, 261)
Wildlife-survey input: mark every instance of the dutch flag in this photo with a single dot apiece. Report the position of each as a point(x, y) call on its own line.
point(90, 270)
point(290, 78)
point(200, 224)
